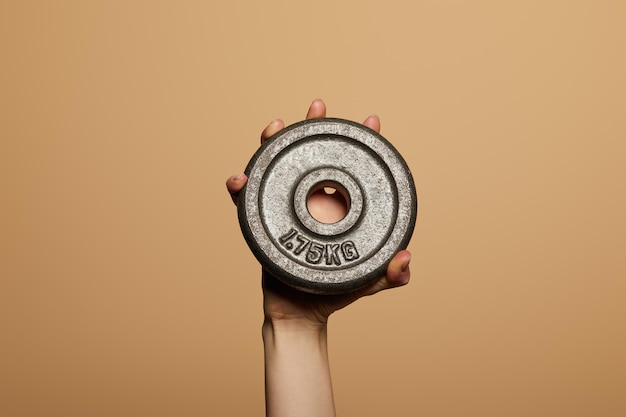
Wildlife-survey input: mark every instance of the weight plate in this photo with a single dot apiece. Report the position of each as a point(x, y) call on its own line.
point(319, 257)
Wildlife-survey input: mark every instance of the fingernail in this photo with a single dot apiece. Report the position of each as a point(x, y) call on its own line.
point(238, 177)
point(405, 267)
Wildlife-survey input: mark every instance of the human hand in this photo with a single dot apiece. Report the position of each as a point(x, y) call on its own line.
point(290, 306)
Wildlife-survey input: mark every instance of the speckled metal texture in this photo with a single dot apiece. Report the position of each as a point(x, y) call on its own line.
point(319, 257)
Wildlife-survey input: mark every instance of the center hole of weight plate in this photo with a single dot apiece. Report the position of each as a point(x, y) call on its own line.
point(328, 202)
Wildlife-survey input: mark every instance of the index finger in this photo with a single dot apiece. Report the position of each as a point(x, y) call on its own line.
point(274, 127)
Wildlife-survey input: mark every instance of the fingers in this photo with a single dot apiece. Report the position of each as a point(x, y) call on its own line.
point(373, 122)
point(274, 127)
point(234, 184)
point(398, 274)
point(317, 109)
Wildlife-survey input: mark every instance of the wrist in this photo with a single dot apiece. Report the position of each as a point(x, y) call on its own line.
point(294, 325)
point(295, 339)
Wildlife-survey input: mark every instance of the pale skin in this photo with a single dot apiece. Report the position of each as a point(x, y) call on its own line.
point(297, 372)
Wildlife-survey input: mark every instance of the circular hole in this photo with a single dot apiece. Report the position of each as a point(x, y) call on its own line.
point(328, 202)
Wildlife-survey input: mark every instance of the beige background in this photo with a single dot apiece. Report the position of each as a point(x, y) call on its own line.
point(127, 289)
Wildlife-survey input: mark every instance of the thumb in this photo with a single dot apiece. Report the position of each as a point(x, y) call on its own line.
point(398, 274)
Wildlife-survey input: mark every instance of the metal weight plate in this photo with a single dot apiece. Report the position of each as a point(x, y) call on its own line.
point(320, 257)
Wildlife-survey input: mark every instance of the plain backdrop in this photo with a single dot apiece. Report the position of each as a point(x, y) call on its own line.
point(126, 288)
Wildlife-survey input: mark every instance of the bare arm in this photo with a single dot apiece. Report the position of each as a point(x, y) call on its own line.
point(297, 371)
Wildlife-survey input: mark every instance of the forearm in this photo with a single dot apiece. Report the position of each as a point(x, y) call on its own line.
point(297, 372)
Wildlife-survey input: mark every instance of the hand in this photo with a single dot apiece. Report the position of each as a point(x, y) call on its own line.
point(290, 306)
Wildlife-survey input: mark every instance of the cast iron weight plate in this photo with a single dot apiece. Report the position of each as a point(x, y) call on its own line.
point(319, 257)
